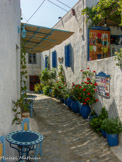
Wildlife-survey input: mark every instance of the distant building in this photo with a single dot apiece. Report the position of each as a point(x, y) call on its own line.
point(33, 69)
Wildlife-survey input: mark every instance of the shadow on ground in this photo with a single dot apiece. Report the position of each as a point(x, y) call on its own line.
point(68, 137)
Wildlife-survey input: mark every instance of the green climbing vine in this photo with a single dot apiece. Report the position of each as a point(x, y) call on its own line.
point(20, 105)
point(104, 9)
point(118, 57)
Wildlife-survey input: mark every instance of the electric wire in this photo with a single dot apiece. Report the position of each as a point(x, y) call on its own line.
point(24, 17)
point(36, 10)
point(64, 4)
point(57, 5)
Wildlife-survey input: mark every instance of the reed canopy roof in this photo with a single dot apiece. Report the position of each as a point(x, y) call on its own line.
point(39, 39)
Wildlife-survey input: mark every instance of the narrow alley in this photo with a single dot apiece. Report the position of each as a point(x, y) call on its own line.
point(67, 136)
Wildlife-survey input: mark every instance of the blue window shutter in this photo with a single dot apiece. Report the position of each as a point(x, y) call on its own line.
point(46, 61)
point(68, 55)
point(54, 59)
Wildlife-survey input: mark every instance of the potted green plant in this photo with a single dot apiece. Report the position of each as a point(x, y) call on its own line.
point(112, 127)
point(96, 122)
point(87, 92)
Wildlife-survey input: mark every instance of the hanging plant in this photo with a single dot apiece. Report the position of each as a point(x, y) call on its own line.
point(104, 9)
point(118, 57)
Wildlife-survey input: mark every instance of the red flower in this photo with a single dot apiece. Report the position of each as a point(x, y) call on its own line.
point(95, 84)
point(88, 68)
point(79, 98)
point(91, 83)
point(88, 93)
point(87, 82)
point(60, 87)
point(57, 82)
point(80, 87)
point(95, 90)
point(81, 70)
point(94, 71)
point(84, 89)
point(76, 86)
point(96, 100)
point(88, 78)
point(73, 83)
point(88, 98)
point(85, 99)
point(84, 103)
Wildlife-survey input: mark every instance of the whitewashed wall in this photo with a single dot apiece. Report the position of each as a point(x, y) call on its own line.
point(9, 64)
point(33, 69)
point(79, 58)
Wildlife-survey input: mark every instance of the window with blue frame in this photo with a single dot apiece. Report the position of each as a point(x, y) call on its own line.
point(54, 59)
point(68, 55)
point(46, 61)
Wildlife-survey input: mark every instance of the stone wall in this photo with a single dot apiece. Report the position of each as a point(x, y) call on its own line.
point(9, 65)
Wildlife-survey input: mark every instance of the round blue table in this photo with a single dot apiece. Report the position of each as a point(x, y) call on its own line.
point(25, 140)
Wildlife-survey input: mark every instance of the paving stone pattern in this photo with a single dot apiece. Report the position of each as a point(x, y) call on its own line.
point(67, 136)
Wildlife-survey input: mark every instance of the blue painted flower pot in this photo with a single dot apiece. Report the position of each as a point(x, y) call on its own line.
point(112, 139)
point(39, 92)
point(50, 90)
point(92, 117)
point(79, 106)
point(103, 133)
point(85, 111)
point(75, 106)
point(66, 101)
point(69, 102)
point(62, 100)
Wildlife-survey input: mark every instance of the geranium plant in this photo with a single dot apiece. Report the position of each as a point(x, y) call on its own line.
point(59, 89)
point(88, 87)
point(85, 92)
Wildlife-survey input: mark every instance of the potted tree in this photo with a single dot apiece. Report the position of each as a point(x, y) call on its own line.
point(112, 127)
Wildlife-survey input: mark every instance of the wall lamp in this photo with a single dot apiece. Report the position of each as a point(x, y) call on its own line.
point(23, 32)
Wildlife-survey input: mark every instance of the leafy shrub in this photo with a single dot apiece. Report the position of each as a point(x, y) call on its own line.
point(112, 126)
point(46, 90)
point(37, 87)
point(97, 122)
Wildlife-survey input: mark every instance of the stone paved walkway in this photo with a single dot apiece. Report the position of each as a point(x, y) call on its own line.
point(68, 137)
